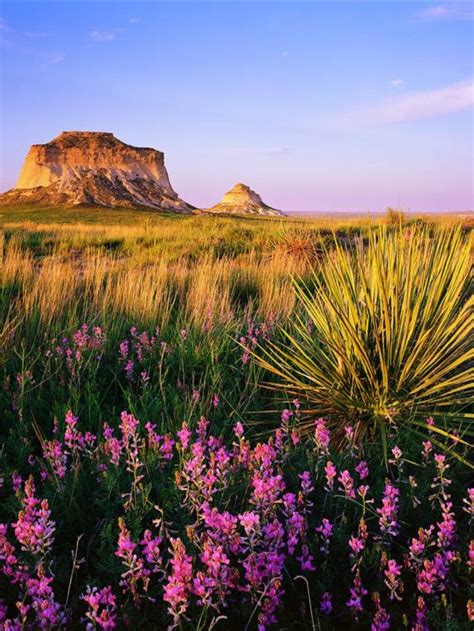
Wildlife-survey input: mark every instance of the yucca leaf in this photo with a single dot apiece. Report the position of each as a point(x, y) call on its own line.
point(391, 321)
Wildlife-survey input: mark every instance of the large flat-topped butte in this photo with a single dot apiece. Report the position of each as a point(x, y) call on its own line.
point(94, 168)
point(97, 169)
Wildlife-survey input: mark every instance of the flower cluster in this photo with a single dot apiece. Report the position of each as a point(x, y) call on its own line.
point(252, 518)
point(26, 568)
point(254, 335)
point(140, 351)
point(72, 357)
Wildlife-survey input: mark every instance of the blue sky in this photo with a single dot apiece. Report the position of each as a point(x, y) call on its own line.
point(340, 106)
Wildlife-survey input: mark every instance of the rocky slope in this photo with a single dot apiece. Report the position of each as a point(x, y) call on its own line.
point(242, 200)
point(94, 168)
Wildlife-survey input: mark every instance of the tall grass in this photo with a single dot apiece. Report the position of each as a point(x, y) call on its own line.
point(386, 307)
point(388, 341)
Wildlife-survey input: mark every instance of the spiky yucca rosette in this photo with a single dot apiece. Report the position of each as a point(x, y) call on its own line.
point(385, 335)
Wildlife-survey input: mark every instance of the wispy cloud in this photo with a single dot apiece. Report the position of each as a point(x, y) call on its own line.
point(134, 20)
point(5, 28)
point(397, 83)
point(102, 36)
point(54, 58)
point(448, 11)
point(410, 106)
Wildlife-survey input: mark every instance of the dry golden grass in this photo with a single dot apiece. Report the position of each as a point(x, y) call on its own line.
point(203, 268)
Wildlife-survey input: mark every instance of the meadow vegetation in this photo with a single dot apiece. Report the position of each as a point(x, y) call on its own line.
point(224, 423)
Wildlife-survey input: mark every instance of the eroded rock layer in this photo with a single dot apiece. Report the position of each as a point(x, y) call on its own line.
point(94, 168)
point(242, 200)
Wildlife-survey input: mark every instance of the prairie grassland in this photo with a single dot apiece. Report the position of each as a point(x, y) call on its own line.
point(137, 439)
point(196, 263)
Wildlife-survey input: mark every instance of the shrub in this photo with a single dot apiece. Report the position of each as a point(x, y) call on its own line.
point(386, 335)
point(395, 217)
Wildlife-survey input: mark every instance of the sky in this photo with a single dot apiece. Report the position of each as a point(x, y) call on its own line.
point(319, 107)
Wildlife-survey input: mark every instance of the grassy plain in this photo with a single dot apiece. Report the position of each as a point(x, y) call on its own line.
point(103, 311)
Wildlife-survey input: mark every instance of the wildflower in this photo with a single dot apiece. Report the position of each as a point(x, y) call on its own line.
point(179, 581)
point(76, 441)
point(362, 469)
point(54, 453)
point(389, 511)
point(166, 448)
point(39, 591)
point(266, 490)
point(362, 491)
point(381, 619)
point(101, 609)
point(325, 605)
point(469, 503)
point(397, 452)
point(112, 445)
point(128, 425)
point(239, 429)
point(440, 482)
point(356, 544)
point(201, 431)
point(295, 524)
point(326, 530)
point(427, 448)
point(295, 437)
point(124, 349)
point(306, 559)
point(286, 415)
point(34, 529)
point(392, 580)
point(420, 620)
point(434, 572)
point(135, 572)
point(470, 557)
point(250, 521)
point(346, 484)
point(321, 436)
point(446, 527)
point(470, 610)
point(215, 400)
point(184, 435)
point(418, 545)
point(357, 593)
point(306, 483)
point(349, 433)
point(151, 550)
point(9, 564)
point(331, 473)
point(129, 369)
point(413, 485)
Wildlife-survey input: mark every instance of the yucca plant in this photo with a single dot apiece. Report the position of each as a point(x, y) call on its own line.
point(384, 335)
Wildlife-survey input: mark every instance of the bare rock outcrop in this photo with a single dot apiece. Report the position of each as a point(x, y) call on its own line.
point(242, 200)
point(94, 168)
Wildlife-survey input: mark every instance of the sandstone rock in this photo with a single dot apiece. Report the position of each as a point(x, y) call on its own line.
point(242, 200)
point(94, 168)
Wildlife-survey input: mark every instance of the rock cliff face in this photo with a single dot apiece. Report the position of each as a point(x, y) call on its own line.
point(241, 200)
point(94, 168)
